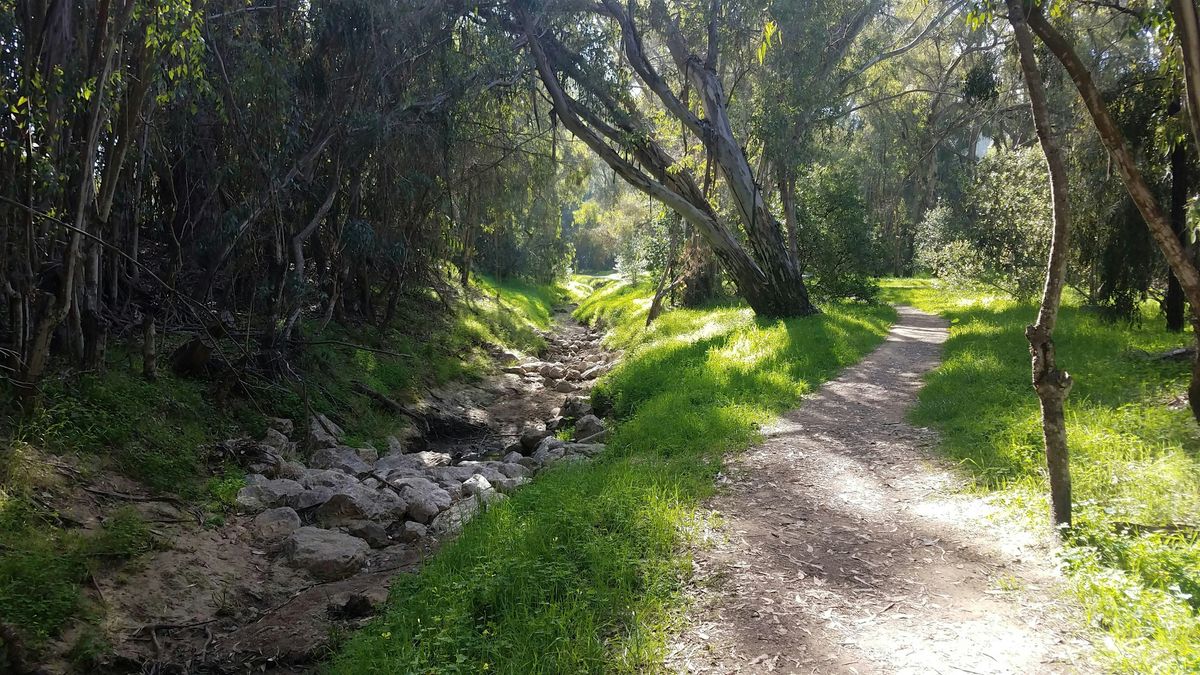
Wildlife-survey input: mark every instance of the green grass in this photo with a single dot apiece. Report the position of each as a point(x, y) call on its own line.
point(43, 564)
point(1134, 458)
point(581, 571)
point(159, 432)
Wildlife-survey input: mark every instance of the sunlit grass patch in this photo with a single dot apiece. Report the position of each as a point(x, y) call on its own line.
point(1134, 459)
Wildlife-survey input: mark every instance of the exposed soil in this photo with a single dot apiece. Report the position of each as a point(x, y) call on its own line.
point(845, 546)
point(215, 601)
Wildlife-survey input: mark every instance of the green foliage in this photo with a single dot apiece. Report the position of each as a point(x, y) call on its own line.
point(836, 234)
point(1002, 237)
point(581, 571)
point(1133, 458)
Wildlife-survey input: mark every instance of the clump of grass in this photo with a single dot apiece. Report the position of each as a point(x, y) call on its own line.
point(42, 565)
point(1133, 457)
point(581, 571)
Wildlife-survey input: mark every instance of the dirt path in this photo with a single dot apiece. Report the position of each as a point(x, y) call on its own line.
point(846, 547)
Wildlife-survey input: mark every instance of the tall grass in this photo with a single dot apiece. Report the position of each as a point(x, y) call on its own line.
point(581, 571)
point(1134, 458)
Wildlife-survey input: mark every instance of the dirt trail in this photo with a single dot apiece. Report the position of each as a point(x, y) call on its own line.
point(219, 600)
point(847, 547)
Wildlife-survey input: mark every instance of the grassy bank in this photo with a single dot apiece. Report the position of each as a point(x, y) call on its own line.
point(581, 571)
point(159, 433)
point(1134, 458)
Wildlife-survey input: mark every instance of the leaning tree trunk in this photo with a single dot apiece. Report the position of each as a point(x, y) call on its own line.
point(1157, 222)
point(1051, 384)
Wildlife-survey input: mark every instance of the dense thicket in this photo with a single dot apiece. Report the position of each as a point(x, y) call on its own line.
point(220, 166)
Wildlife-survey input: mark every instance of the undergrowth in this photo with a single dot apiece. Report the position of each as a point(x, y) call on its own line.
point(581, 571)
point(1134, 458)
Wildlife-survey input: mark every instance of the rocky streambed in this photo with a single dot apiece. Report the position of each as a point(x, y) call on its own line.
point(322, 526)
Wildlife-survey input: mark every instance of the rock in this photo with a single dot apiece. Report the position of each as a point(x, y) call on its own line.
point(368, 454)
point(323, 433)
point(575, 407)
point(588, 426)
point(551, 371)
point(550, 443)
point(509, 485)
point(489, 470)
point(417, 460)
point(530, 463)
point(395, 447)
point(264, 494)
point(409, 531)
point(425, 498)
point(477, 486)
point(513, 470)
point(326, 554)
point(282, 425)
point(564, 387)
point(547, 456)
point(341, 458)
point(453, 519)
point(513, 370)
point(595, 371)
point(513, 457)
point(311, 497)
point(584, 449)
point(573, 375)
point(531, 437)
point(276, 524)
point(290, 469)
point(277, 441)
point(515, 446)
point(369, 531)
point(555, 423)
point(356, 502)
point(326, 478)
point(358, 603)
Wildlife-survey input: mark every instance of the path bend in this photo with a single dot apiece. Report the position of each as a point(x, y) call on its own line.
point(846, 546)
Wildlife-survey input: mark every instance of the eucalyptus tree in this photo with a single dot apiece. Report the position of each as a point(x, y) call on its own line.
point(671, 95)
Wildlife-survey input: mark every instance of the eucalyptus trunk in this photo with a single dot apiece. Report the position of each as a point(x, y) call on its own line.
point(1051, 383)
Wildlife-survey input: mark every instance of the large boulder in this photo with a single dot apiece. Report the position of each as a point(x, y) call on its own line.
point(340, 458)
point(532, 436)
point(589, 427)
point(595, 371)
point(416, 461)
point(275, 524)
point(326, 554)
point(478, 486)
point(325, 478)
point(323, 433)
point(575, 407)
point(357, 502)
point(564, 387)
point(261, 493)
point(425, 498)
point(369, 531)
point(509, 485)
point(452, 520)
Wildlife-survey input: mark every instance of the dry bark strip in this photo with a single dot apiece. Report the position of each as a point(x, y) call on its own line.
point(846, 546)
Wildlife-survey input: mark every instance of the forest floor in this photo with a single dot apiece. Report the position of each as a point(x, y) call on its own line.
point(846, 546)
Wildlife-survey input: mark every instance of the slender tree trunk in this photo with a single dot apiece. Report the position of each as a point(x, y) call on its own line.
point(1187, 28)
point(1051, 384)
point(1173, 303)
point(1180, 261)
